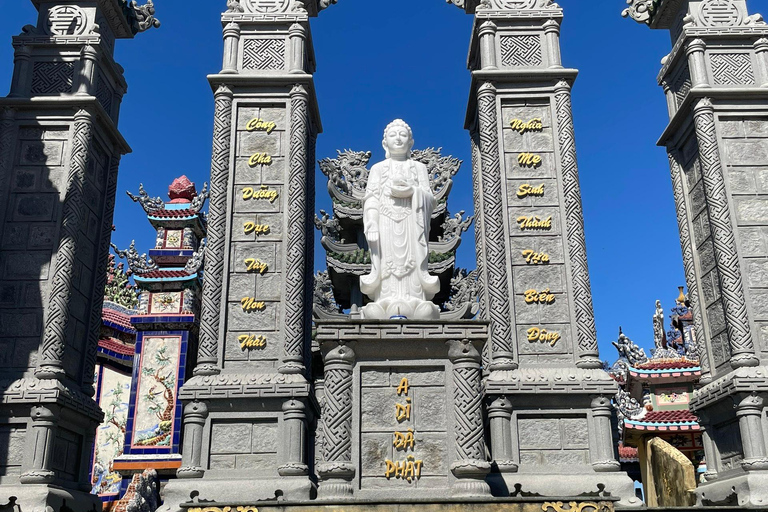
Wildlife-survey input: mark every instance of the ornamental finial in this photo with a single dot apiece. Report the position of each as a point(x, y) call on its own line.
point(640, 10)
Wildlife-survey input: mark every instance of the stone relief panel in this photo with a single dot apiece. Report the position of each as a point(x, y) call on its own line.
point(263, 54)
point(52, 77)
point(114, 392)
point(404, 418)
point(66, 20)
point(12, 438)
point(267, 6)
point(256, 257)
point(551, 441)
point(732, 68)
point(521, 50)
point(244, 445)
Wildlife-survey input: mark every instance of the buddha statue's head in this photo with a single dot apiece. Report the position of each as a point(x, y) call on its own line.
point(398, 139)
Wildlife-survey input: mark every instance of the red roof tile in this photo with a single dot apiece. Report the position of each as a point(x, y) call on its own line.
point(670, 417)
point(110, 315)
point(116, 345)
point(627, 452)
point(667, 364)
point(163, 274)
point(173, 214)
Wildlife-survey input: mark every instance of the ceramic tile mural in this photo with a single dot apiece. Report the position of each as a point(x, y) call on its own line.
point(110, 436)
point(156, 392)
point(165, 302)
point(173, 238)
point(673, 396)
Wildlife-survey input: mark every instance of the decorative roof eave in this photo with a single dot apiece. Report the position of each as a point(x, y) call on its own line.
point(678, 426)
point(146, 279)
point(665, 374)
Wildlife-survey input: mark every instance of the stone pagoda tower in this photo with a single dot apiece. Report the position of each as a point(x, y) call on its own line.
point(167, 320)
point(715, 80)
point(59, 154)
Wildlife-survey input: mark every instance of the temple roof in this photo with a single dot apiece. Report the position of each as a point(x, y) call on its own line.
point(116, 319)
point(665, 421)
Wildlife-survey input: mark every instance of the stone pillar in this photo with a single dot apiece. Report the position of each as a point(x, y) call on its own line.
point(296, 308)
point(552, 35)
point(210, 315)
point(337, 469)
point(195, 415)
point(470, 466)
point(500, 419)
point(487, 34)
point(761, 51)
point(750, 414)
point(50, 365)
point(85, 80)
point(297, 35)
point(686, 245)
point(603, 457)
point(22, 78)
point(39, 445)
point(7, 137)
point(726, 255)
point(710, 450)
point(697, 63)
point(494, 256)
point(671, 99)
point(231, 43)
point(294, 439)
point(577, 246)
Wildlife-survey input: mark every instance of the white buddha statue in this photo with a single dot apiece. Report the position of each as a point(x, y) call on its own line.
point(397, 212)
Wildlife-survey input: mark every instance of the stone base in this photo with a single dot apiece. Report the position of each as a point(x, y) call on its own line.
point(745, 490)
point(587, 486)
point(45, 498)
point(178, 494)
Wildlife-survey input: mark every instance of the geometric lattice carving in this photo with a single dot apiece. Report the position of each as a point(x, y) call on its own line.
point(104, 94)
point(681, 85)
point(52, 77)
point(732, 69)
point(521, 51)
point(264, 54)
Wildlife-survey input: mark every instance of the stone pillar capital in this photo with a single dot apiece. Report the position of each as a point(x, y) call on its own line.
point(232, 29)
point(750, 405)
point(462, 352)
point(695, 45)
point(551, 26)
point(488, 27)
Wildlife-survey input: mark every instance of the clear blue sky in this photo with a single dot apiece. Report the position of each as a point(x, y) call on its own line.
point(381, 60)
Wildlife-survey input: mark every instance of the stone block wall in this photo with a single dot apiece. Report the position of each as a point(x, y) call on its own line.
point(553, 441)
point(245, 445)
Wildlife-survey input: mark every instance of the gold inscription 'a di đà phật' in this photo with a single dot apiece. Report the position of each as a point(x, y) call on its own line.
point(535, 258)
point(404, 440)
point(408, 470)
point(537, 297)
point(258, 124)
point(254, 265)
point(252, 227)
point(263, 192)
point(534, 223)
point(541, 335)
point(520, 126)
point(260, 159)
point(251, 341)
point(527, 190)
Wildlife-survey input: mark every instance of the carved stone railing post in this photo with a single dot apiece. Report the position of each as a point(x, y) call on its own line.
point(297, 36)
point(337, 470)
point(494, 247)
point(294, 439)
point(195, 415)
point(552, 33)
point(603, 457)
point(85, 81)
point(51, 364)
point(500, 418)
point(296, 308)
point(577, 245)
point(40, 441)
point(231, 44)
point(671, 99)
point(210, 314)
point(686, 245)
point(761, 52)
point(697, 63)
point(470, 466)
point(710, 451)
point(487, 33)
point(726, 255)
point(750, 414)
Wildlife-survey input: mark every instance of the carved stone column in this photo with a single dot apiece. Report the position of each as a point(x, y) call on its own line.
point(577, 245)
point(231, 44)
point(726, 255)
point(710, 450)
point(603, 457)
point(294, 439)
point(296, 308)
point(487, 33)
point(671, 99)
point(85, 81)
point(697, 63)
point(750, 414)
point(40, 439)
point(552, 33)
point(195, 415)
point(297, 35)
point(686, 245)
point(761, 51)
point(494, 256)
point(482, 278)
point(500, 418)
point(51, 355)
point(337, 470)
point(471, 466)
point(21, 75)
point(210, 314)
point(7, 146)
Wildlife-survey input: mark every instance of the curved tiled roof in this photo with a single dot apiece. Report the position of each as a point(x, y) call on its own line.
point(627, 453)
point(668, 364)
point(163, 274)
point(682, 416)
point(116, 345)
point(173, 214)
point(117, 318)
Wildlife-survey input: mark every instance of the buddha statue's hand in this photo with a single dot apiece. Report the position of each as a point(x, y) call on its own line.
point(372, 235)
point(402, 191)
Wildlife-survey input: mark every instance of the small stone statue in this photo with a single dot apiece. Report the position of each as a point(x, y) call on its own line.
point(397, 212)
